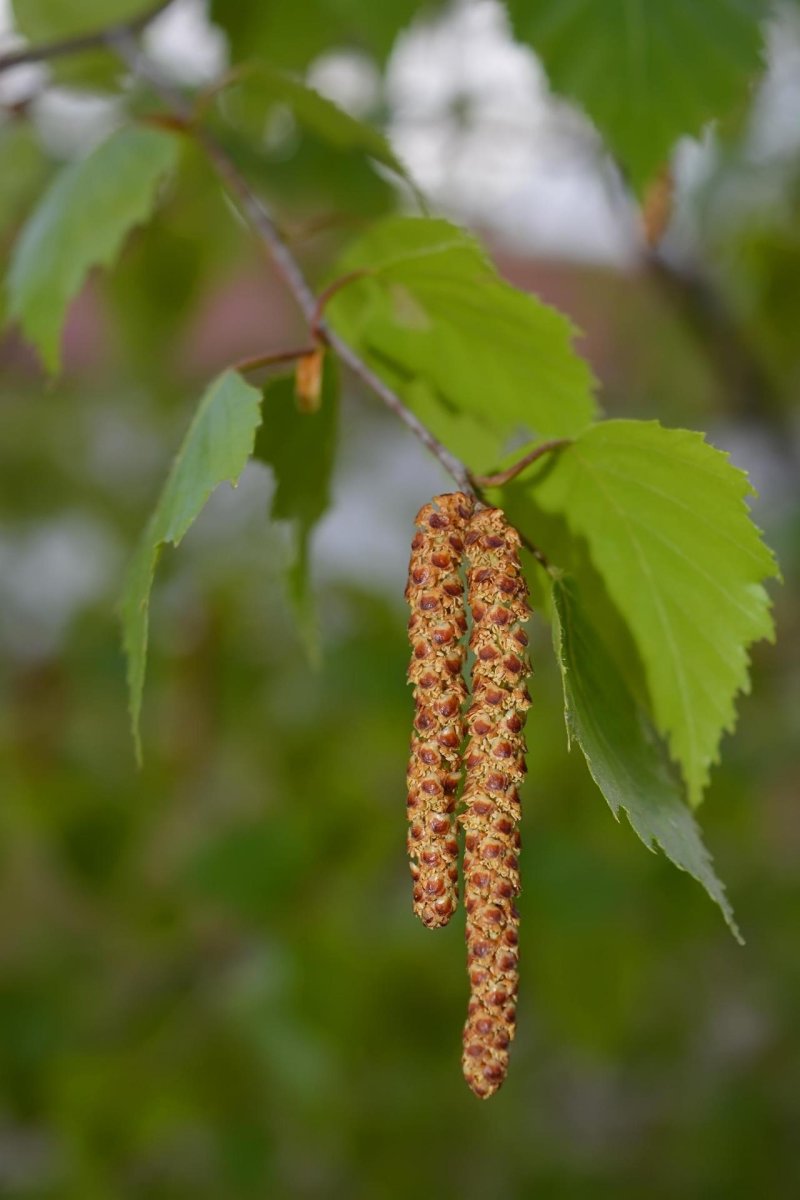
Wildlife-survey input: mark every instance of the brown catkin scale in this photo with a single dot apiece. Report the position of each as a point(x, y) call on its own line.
point(495, 766)
point(436, 629)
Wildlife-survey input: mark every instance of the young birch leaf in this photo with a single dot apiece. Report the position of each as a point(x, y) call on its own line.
point(625, 756)
point(49, 20)
point(667, 526)
point(300, 449)
point(462, 433)
point(294, 34)
point(432, 305)
point(647, 73)
point(216, 448)
point(81, 222)
point(24, 170)
point(52, 20)
point(263, 86)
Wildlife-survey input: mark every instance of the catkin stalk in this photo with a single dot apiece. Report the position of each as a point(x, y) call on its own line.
point(436, 628)
point(495, 766)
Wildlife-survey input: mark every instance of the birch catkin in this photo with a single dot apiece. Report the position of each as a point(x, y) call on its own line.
point(435, 593)
point(495, 766)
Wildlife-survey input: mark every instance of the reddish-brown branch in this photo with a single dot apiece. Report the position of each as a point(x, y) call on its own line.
point(538, 554)
point(504, 477)
point(94, 39)
point(297, 231)
point(263, 225)
point(121, 38)
point(257, 361)
point(329, 292)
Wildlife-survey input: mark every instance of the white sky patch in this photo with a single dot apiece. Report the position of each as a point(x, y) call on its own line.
point(22, 81)
point(471, 114)
point(775, 130)
point(71, 123)
point(183, 42)
point(350, 79)
point(473, 117)
point(48, 574)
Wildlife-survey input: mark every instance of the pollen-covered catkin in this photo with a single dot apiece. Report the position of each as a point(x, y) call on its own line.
point(495, 766)
point(437, 625)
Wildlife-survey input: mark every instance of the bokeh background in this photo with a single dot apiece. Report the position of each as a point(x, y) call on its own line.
point(211, 983)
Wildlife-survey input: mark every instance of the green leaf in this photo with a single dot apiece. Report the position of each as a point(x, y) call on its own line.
point(81, 222)
point(51, 20)
point(317, 160)
point(434, 307)
point(216, 448)
point(626, 758)
point(300, 449)
point(667, 527)
point(45, 20)
point(306, 180)
point(646, 73)
point(293, 34)
point(460, 432)
point(24, 168)
point(263, 86)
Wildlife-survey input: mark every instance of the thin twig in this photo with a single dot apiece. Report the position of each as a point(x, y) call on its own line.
point(96, 38)
point(207, 95)
point(297, 231)
point(540, 557)
point(257, 361)
point(263, 225)
point(330, 291)
point(504, 477)
point(121, 38)
point(454, 467)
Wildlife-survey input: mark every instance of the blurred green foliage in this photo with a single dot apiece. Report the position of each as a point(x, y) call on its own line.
point(211, 983)
point(645, 72)
point(81, 222)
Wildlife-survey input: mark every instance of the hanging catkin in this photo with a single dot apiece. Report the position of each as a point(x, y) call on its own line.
point(495, 766)
point(435, 593)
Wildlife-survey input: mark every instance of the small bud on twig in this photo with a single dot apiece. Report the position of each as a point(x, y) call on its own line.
point(308, 381)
